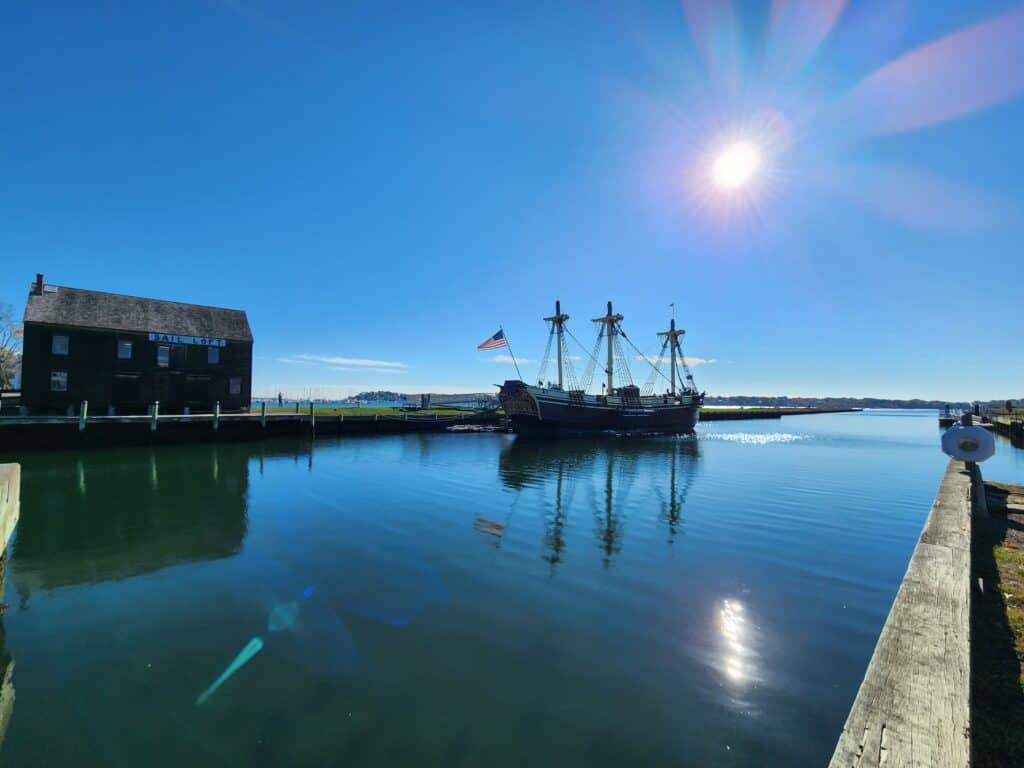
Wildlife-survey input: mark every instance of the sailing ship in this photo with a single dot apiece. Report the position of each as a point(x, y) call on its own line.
point(565, 407)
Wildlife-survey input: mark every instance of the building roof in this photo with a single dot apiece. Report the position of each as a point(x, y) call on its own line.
point(75, 307)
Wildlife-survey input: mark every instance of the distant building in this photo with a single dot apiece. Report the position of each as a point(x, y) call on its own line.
point(124, 352)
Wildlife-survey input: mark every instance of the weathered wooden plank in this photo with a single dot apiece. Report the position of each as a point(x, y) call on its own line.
point(913, 707)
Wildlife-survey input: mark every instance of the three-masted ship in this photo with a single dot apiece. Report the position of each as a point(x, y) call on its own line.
point(565, 407)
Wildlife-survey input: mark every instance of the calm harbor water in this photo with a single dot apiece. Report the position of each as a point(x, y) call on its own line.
point(463, 599)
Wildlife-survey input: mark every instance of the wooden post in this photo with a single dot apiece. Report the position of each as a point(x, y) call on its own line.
point(296, 407)
point(216, 415)
point(312, 418)
point(83, 414)
point(154, 415)
point(263, 414)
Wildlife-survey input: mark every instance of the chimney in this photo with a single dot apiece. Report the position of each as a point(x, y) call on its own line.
point(37, 289)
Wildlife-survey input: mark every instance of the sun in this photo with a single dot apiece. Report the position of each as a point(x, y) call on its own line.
point(735, 166)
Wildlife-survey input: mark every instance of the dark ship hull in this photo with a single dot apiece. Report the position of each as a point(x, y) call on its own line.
point(552, 411)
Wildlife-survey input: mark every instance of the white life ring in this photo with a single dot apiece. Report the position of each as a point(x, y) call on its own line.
point(968, 443)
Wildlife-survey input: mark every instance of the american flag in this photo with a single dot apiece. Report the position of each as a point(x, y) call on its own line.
point(497, 341)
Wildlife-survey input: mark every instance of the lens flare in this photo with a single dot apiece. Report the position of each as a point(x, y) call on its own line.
point(735, 166)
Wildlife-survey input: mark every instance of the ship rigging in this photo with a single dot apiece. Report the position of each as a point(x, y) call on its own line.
point(565, 406)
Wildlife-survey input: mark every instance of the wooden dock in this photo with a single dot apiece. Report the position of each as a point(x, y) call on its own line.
point(1011, 426)
point(71, 432)
point(913, 707)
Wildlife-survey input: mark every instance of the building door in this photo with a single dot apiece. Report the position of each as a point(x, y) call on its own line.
point(161, 387)
point(175, 392)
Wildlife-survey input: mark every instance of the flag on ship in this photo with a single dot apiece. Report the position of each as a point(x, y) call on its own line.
point(497, 341)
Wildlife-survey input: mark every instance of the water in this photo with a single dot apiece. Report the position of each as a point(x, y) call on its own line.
point(463, 599)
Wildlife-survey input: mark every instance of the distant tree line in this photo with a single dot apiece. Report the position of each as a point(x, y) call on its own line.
point(380, 394)
point(784, 401)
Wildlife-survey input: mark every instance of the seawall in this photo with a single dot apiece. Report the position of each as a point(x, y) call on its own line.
point(69, 432)
point(741, 414)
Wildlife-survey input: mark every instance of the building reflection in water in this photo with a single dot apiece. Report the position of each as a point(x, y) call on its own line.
point(113, 515)
point(614, 465)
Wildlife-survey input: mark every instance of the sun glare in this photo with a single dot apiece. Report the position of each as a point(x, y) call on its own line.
point(735, 166)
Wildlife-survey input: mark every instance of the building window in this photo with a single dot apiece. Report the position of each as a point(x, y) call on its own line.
point(127, 389)
point(234, 386)
point(163, 356)
point(59, 344)
point(59, 380)
point(213, 355)
point(124, 350)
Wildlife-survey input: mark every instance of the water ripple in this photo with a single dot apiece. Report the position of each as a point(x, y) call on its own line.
point(755, 438)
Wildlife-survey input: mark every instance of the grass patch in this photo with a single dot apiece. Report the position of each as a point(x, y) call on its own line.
point(997, 640)
point(1007, 553)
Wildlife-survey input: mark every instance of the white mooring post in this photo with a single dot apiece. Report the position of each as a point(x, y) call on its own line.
point(83, 414)
point(263, 414)
point(154, 415)
point(216, 415)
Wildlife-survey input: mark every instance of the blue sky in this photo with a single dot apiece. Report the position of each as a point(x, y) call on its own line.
point(381, 184)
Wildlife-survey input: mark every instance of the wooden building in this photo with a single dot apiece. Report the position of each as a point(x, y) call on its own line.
point(121, 353)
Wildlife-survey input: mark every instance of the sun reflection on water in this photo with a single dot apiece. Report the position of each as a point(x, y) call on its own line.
point(738, 659)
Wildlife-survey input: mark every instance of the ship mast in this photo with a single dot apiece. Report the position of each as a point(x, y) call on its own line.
point(609, 320)
point(559, 320)
point(673, 341)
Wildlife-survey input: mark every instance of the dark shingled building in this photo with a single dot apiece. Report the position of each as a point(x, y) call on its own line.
point(123, 352)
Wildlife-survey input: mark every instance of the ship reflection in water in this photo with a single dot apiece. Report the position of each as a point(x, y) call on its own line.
point(598, 478)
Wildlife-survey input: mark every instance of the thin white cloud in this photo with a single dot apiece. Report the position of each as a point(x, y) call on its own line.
point(348, 362)
point(510, 359)
point(691, 361)
point(367, 369)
